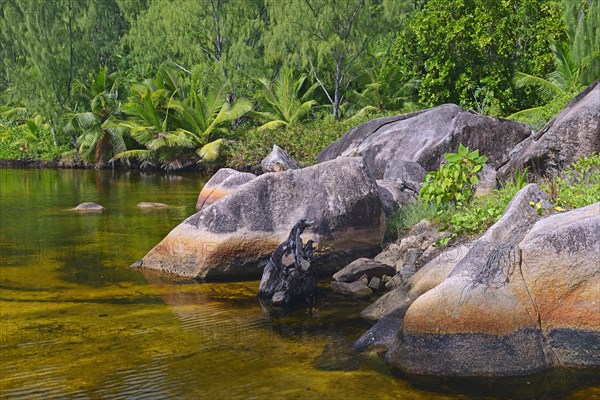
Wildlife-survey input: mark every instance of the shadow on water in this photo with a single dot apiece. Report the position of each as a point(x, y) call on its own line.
point(555, 383)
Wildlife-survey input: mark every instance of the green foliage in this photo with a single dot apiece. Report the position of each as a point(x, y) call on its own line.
point(452, 183)
point(328, 38)
point(521, 177)
point(578, 185)
point(576, 63)
point(484, 212)
point(301, 141)
point(178, 121)
point(407, 216)
point(218, 38)
point(466, 52)
point(282, 100)
point(27, 138)
point(98, 129)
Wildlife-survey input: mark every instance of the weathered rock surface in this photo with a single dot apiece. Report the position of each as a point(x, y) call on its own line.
point(394, 195)
point(278, 160)
point(526, 297)
point(88, 206)
point(354, 289)
point(234, 237)
point(360, 267)
point(573, 133)
point(409, 174)
point(487, 181)
point(560, 263)
point(148, 205)
point(225, 181)
point(425, 136)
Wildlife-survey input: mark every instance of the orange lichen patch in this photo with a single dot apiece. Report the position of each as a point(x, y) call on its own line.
point(210, 195)
point(577, 309)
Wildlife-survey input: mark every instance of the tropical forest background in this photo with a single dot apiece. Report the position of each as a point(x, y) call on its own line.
point(180, 83)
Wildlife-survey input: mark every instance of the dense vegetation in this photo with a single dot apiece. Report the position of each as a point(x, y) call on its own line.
point(170, 83)
point(463, 216)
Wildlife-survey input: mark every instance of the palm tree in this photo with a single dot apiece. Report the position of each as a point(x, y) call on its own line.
point(178, 122)
point(283, 100)
point(99, 131)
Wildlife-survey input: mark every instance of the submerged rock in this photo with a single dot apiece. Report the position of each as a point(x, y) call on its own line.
point(235, 236)
point(89, 207)
point(224, 182)
point(145, 205)
point(278, 160)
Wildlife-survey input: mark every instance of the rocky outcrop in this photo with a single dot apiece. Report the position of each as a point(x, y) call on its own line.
point(425, 136)
point(224, 182)
point(278, 160)
point(233, 237)
point(360, 267)
point(523, 299)
point(89, 207)
point(573, 133)
point(428, 277)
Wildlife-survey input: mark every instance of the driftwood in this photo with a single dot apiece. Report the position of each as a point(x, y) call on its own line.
point(288, 277)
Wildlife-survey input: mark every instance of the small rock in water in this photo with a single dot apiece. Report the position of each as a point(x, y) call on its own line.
point(355, 289)
point(89, 207)
point(145, 205)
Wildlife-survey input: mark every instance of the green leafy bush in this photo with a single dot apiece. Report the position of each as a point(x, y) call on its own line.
point(452, 183)
point(484, 212)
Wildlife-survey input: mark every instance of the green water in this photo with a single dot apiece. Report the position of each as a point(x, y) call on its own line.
point(76, 322)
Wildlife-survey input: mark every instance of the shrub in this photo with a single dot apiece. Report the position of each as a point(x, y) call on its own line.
point(452, 183)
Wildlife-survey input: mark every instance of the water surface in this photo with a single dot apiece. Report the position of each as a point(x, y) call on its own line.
point(77, 322)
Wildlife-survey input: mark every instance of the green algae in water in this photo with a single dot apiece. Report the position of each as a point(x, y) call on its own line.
point(76, 322)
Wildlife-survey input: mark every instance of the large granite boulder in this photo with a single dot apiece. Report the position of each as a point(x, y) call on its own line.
point(425, 136)
point(234, 237)
point(225, 181)
point(573, 133)
point(523, 299)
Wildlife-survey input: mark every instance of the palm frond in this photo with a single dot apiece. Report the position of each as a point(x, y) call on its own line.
point(211, 151)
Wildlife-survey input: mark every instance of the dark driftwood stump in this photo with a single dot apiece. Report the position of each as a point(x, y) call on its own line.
point(288, 278)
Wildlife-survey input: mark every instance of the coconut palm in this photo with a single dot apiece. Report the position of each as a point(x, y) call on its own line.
point(98, 129)
point(283, 101)
point(178, 123)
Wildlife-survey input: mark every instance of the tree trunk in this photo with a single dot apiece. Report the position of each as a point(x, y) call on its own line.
point(288, 278)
